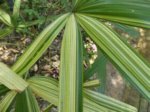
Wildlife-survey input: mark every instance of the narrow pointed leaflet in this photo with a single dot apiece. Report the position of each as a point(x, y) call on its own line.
point(70, 98)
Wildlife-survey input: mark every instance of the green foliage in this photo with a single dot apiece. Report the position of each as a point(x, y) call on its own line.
point(68, 93)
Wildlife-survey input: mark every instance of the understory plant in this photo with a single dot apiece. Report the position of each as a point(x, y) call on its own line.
point(72, 92)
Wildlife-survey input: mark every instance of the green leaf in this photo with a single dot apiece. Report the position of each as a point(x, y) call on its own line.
point(5, 18)
point(45, 87)
point(131, 31)
point(131, 12)
point(16, 9)
point(94, 67)
point(7, 100)
point(26, 102)
point(91, 70)
point(91, 106)
point(108, 102)
point(92, 83)
point(39, 46)
point(11, 80)
point(3, 90)
point(98, 67)
point(5, 32)
point(137, 71)
point(101, 72)
point(71, 69)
